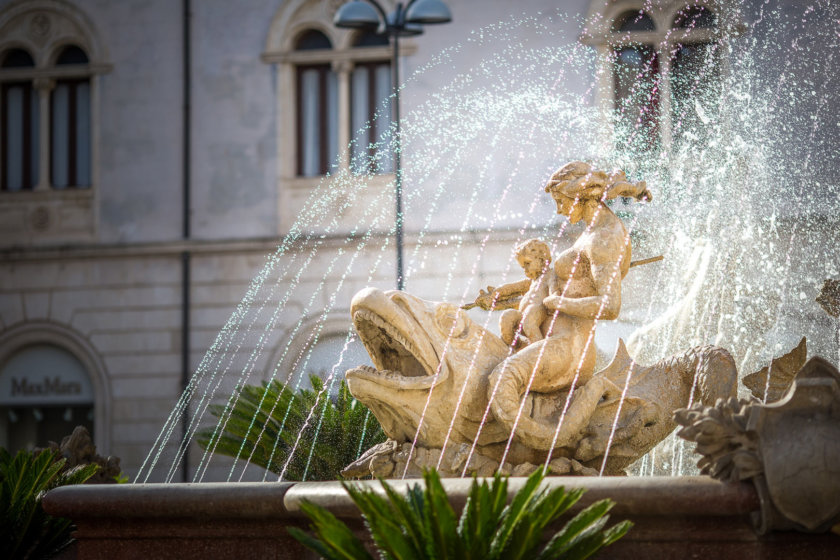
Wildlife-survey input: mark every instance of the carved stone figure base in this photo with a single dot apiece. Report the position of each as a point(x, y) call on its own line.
point(434, 384)
point(392, 459)
point(78, 449)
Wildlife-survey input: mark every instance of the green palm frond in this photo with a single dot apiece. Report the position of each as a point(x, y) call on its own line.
point(26, 531)
point(423, 525)
point(264, 424)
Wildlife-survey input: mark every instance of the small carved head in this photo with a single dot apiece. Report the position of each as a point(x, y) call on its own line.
point(534, 256)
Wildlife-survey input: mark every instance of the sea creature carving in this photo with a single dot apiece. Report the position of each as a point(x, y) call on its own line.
point(781, 372)
point(432, 362)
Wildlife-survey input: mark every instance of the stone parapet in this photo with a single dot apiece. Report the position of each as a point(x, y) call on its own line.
point(674, 518)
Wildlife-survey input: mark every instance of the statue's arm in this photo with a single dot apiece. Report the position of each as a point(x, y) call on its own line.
point(502, 304)
point(512, 289)
point(506, 296)
point(554, 283)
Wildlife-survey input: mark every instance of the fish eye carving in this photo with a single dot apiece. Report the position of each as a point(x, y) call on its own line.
point(451, 320)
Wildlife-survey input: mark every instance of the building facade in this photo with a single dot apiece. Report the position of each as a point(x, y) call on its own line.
point(155, 152)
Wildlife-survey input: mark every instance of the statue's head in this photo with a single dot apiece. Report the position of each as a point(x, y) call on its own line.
point(578, 183)
point(534, 256)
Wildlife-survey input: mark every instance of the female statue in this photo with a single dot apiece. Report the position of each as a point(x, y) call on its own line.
point(588, 288)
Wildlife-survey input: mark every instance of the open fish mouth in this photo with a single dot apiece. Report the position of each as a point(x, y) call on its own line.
point(398, 361)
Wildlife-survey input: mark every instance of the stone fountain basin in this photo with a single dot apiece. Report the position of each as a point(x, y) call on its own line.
point(674, 517)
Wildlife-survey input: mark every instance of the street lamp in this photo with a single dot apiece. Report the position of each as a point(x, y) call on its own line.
point(405, 20)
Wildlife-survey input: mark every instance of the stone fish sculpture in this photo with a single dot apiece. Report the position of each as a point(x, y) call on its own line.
point(476, 404)
point(432, 357)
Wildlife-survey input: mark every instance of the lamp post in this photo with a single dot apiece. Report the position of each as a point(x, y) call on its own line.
point(405, 20)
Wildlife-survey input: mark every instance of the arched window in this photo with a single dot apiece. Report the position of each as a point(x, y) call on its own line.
point(695, 17)
point(63, 81)
point(339, 118)
point(45, 392)
point(72, 54)
point(633, 20)
point(51, 62)
point(695, 73)
point(319, 105)
point(636, 75)
point(19, 122)
point(312, 40)
point(664, 67)
point(370, 111)
point(17, 58)
point(70, 147)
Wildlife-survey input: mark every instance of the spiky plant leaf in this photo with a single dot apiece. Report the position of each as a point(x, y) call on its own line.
point(480, 515)
point(421, 524)
point(410, 513)
point(568, 536)
point(548, 506)
point(513, 514)
point(588, 541)
point(26, 531)
point(440, 519)
point(335, 540)
point(382, 523)
point(582, 536)
point(265, 423)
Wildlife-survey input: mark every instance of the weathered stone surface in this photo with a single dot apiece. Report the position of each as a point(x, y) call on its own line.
point(674, 518)
point(790, 448)
point(179, 521)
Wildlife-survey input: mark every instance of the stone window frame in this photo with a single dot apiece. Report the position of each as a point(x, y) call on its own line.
point(598, 33)
point(292, 20)
point(44, 28)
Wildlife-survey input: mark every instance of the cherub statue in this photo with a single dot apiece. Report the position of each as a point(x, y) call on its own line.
point(524, 312)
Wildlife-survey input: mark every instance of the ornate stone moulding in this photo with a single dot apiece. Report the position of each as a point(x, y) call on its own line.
point(789, 449)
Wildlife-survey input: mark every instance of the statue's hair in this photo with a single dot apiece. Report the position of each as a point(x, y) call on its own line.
point(534, 247)
point(580, 180)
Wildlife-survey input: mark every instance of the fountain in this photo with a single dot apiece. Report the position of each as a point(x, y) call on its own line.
point(732, 276)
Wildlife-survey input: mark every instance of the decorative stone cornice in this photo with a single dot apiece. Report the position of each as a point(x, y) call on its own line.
point(829, 298)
